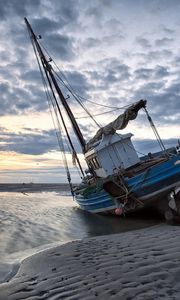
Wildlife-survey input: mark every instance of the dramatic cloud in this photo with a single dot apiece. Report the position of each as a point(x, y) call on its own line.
point(111, 53)
point(28, 143)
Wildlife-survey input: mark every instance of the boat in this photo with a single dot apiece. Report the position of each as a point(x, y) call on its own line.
point(116, 181)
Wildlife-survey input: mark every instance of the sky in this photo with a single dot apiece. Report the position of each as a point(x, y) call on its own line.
point(113, 53)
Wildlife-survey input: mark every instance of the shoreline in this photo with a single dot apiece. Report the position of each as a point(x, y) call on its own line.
point(14, 268)
point(142, 264)
point(11, 267)
point(33, 187)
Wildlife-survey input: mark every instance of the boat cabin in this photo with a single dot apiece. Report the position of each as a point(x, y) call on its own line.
point(112, 153)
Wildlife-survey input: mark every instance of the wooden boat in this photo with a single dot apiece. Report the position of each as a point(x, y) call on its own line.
point(116, 180)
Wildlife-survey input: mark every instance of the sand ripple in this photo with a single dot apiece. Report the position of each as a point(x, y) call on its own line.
point(143, 264)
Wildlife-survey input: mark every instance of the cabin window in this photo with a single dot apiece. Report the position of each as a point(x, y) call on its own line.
point(94, 163)
point(97, 163)
point(91, 164)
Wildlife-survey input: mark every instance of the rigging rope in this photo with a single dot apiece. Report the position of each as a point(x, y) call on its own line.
point(59, 136)
point(156, 132)
point(103, 113)
point(76, 98)
point(62, 119)
point(102, 105)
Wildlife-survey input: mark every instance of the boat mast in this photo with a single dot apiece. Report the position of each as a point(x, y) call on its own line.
point(49, 73)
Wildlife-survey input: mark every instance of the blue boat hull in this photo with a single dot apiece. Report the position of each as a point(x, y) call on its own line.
point(149, 187)
point(96, 202)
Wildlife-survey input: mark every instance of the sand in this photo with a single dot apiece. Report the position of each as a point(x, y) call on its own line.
point(141, 264)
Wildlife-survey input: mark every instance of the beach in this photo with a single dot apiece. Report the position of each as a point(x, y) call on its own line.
point(37, 217)
point(140, 264)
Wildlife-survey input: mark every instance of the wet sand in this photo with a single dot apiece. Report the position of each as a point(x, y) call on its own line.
point(141, 264)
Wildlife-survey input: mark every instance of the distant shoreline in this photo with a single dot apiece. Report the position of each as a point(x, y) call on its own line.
point(33, 187)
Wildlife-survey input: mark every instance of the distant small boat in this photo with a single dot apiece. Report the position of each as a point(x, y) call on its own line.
point(117, 181)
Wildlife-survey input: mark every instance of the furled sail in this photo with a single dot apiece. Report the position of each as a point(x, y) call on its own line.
point(119, 123)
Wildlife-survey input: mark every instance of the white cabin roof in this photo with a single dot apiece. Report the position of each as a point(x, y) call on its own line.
point(107, 140)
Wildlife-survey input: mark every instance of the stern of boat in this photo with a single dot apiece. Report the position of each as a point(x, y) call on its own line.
point(172, 213)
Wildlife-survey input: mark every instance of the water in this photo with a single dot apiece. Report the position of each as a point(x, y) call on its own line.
point(33, 221)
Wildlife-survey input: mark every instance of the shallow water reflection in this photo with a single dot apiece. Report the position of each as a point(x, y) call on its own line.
point(35, 220)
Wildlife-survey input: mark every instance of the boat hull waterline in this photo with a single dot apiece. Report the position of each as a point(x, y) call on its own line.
point(149, 186)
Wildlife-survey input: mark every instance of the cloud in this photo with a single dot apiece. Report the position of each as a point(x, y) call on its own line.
point(91, 42)
point(32, 76)
point(110, 72)
point(156, 56)
point(163, 103)
point(44, 25)
point(10, 8)
point(149, 145)
point(35, 142)
point(144, 43)
point(168, 30)
point(163, 42)
point(94, 11)
point(158, 72)
point(161, 71)
point(143, 73)
point(18, 100)
point(79, 83)
point(66, 12)
point(29, 143)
